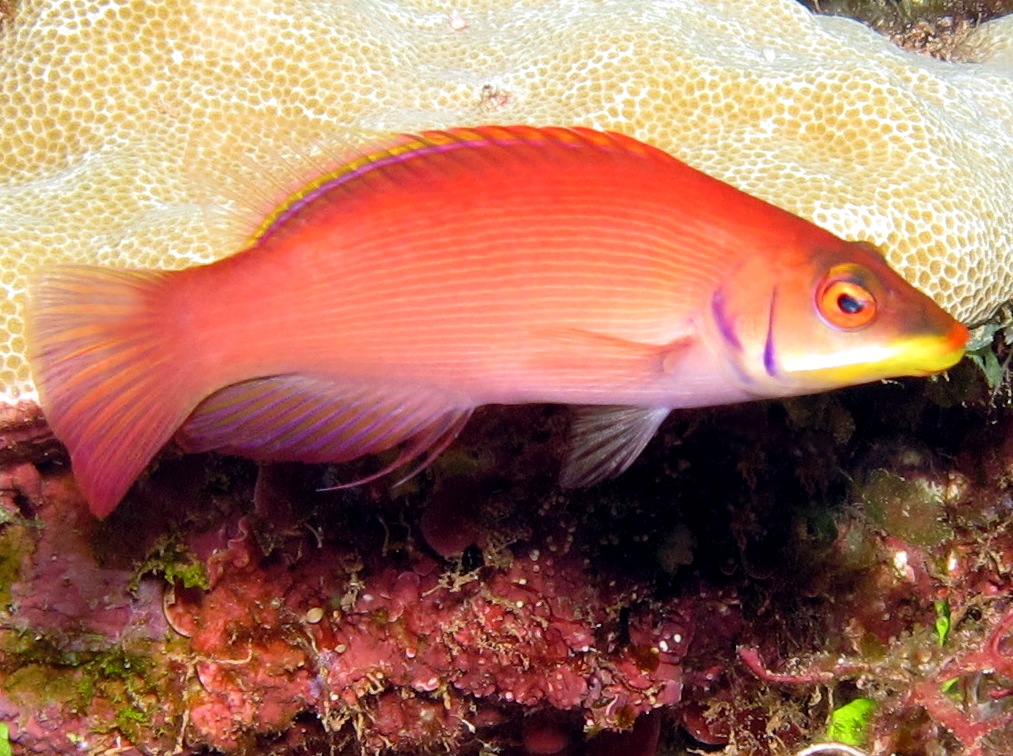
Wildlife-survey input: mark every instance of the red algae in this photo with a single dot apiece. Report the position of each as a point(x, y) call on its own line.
point(356, 625)
point(233, 609)
point(396, 648)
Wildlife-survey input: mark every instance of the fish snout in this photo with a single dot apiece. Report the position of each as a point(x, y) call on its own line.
point(943, 351)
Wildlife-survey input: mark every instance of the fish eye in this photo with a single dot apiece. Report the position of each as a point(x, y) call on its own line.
point(843, 300)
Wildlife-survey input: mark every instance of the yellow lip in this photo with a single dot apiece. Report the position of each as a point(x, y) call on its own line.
point(933, 355)
point(920, 355)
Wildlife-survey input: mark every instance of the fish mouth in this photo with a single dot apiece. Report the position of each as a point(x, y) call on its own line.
point(934, 354)
point(917, 356)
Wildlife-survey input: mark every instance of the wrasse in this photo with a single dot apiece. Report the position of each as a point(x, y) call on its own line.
point(387, 298)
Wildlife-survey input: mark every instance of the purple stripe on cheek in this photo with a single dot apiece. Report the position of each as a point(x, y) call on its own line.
point(725, 327)
point(769, 363)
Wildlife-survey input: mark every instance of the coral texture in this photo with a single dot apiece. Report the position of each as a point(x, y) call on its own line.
point(100, 101)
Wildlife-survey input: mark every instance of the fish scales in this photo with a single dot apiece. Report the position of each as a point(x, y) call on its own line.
point(386, 299)
point(488, 238)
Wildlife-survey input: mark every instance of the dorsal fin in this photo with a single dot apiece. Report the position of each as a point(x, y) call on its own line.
point(244, 168)
point(254, 173)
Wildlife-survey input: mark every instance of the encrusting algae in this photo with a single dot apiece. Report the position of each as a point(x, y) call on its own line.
point(817, 115)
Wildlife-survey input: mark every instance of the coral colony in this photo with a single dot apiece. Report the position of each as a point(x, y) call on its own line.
point(816, 115)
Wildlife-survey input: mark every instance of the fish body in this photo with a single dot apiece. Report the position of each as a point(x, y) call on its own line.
point(389, 297)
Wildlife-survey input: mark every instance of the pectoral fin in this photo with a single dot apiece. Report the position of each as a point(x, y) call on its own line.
point(604, 441)
point(617, 361)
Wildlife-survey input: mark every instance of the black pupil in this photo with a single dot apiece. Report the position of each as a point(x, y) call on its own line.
point(849, 304)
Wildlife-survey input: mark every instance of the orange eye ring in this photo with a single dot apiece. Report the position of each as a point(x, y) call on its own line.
point(845, 303)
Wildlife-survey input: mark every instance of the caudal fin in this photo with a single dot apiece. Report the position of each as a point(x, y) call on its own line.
point(104, 367)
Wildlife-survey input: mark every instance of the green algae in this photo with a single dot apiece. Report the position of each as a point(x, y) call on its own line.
point(911, 509)
point(982, 351)
point(943, 623)
point(849, 724)
point(11, 547)
point(129, 717)
point(89, 668)
point(31, 681)
point(14, 532)
point(39, 673)
point(171, 560)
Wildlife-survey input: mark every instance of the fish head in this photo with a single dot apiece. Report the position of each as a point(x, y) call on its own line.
point(824, 318)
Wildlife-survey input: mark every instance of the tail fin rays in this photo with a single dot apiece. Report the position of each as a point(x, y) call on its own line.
point(104, 368)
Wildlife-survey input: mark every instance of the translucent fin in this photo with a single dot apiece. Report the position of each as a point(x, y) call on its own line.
point(314, 419)
point(431, 442)
point(604, 441)
point(252, 172)
point(246, 168)
point(108, 383)
point(614, 359)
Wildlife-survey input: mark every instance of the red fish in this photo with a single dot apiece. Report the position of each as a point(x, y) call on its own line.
point(391, 296)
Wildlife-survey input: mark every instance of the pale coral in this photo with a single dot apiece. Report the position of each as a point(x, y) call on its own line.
point(99, 100)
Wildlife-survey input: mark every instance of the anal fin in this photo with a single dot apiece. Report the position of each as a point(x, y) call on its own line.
point(308, 418)
point(604, 441)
